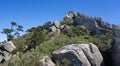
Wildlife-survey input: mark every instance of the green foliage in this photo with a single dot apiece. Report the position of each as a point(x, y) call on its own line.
point(63, 62)
point(8, 32)
point(12, 32)
point(103, 42)
point(39, 36)
point(67, 21)
point(27, 59)
point(36, 44)
point(76, 31)
point(47, 25)
point(31, 29)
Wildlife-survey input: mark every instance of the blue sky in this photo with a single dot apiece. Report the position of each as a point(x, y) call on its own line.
point(31, 13)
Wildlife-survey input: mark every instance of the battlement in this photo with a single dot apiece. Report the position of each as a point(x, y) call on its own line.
point(92, 22)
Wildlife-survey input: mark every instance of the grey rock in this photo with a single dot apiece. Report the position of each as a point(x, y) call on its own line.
point(116, 52)
point(116, 46)
point(116, 31)
point(58, 31)
point(56, 24)
point(80, 54)
point(1, 58)
point(64, 27)
point(7, 56)
point(52, 29)
point(5, 50)
point(9, 46)
point(61, 27)
point(46, 61)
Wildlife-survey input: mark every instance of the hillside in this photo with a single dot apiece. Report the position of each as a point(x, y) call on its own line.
point(75, 28)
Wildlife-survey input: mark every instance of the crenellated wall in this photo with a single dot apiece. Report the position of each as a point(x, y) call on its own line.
point(92, 23)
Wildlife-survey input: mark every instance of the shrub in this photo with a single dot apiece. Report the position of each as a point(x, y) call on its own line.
point(67, 21)
point(76, 31)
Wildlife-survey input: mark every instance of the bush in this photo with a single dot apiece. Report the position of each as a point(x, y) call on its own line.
point(67, 21)
point(39, 36)
point(103, 42)
point(76, 31)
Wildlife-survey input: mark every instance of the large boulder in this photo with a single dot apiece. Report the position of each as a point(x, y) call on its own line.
point(56, 24)
point(5, 50)
point(46, 61)
point(80, 55)
point(52, 29)
point(9, 46)
point(7, 56)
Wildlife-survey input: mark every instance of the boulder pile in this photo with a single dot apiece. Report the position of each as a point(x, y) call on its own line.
point(57, 28)
point(5, 50)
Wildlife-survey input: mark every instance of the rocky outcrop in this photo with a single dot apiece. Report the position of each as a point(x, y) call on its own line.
point(9, 46)
point(64, 27)
point(116, 47)
point(5, 50)
point(116, 52)
point(56, 24)
point(46, 61)
point(80, 55)
point(57, 28)
point(116, 31)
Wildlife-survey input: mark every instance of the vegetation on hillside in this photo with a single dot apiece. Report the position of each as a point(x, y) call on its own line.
point(34, 45)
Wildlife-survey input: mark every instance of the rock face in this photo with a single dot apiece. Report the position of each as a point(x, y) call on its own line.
point(116, 52)
point(80, 55)
point(116, 31)
point(46, 61)
point(9, 46)
point(116, 47)
point(5, 50)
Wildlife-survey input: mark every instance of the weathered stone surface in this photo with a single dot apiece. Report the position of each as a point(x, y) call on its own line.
point(9, 46)
point(7, 56)
point(4, 51)
point(52, 29)
point(64, 27)
point(56, 24)
point(116, 31)
point(46, 61)
point(1, 58)
point(80, 54)
point(58, 31)
point(116, 52)
point(87, 23)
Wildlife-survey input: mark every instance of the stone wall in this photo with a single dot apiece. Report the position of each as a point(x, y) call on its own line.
point(93, 24)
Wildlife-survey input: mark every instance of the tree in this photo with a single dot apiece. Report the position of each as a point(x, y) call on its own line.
point(19, 29)
point(38, 36)
point(12, 32)
point(8, 32)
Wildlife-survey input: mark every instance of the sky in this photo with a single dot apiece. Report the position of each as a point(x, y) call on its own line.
point(32, 13)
